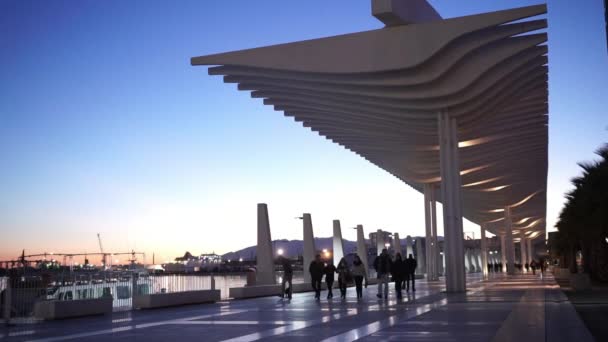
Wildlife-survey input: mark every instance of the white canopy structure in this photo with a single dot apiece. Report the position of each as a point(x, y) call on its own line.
point(456, 108)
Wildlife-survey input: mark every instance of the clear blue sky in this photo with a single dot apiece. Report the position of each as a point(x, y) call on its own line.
point(105, 127)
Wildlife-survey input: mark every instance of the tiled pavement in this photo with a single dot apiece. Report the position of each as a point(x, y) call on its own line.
point(518, 308)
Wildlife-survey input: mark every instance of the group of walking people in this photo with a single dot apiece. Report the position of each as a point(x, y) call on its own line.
point(346, 275)
point(401, 270)
point(534, 265)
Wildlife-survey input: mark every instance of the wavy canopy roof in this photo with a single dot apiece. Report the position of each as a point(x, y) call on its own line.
point(378, 93)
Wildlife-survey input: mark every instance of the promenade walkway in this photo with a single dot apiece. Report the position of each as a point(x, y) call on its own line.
point(518, 308)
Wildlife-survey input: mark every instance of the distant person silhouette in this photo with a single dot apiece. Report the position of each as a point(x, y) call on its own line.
point(398, 271)
point(330, 271)
point(542, 267)
point(533, 267)
point(382, 264)
point(287, 278)
point(359, 274)
point(316, 270)
point(410, 269)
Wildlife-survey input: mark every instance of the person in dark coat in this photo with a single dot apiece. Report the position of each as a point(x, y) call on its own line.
point(398, 271)
point(382, 264)
point(316, 270)
point(344, 276)
point(410, 269)
point(533, 267)
point(330, 271)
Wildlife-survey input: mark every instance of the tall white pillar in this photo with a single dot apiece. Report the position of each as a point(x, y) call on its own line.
point(452, 203)
point(472, 260)
point(420, 257)
point(503, 251)
point(309, 246)
point(429, 237)
point(467, 265)
point(477, 257)
point(264, 260)
point(530, 255)
point(510, 251)
point(437, 258)
point(397, 244)
point(409, 246)
point(523, 247)
point(484, 251)
point(362, 248)
point(338, 244)
point(379, 241)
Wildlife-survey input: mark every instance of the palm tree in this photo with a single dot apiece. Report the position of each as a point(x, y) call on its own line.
point(583, 222)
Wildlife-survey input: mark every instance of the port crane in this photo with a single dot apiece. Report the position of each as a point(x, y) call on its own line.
point(103, 255)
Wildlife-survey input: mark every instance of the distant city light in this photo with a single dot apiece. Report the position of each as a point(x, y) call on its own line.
point(280, 251)
point(240, 259)
point(324, 250)
point(229, 260)
point(387, 245)
point(327, 253)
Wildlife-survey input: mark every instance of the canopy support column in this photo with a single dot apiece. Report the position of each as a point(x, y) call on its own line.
point(510, 251)
point(503, 252)
point(484, 251)
point(435, 242)
point(523, 252)
point(430, 240)
point(452, 205)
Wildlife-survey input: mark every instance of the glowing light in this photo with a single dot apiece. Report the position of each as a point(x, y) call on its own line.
point(279, 252)
point(496, 211)
point(533, 223)
point(481, 182)
point(240, 259)
point(473, 169)
point(522, 221)
point(496, 188)
point(525, 199)
point(474, 142)
point(498, 219)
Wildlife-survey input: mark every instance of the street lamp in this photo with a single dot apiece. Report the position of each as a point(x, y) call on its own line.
point(280, 251)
